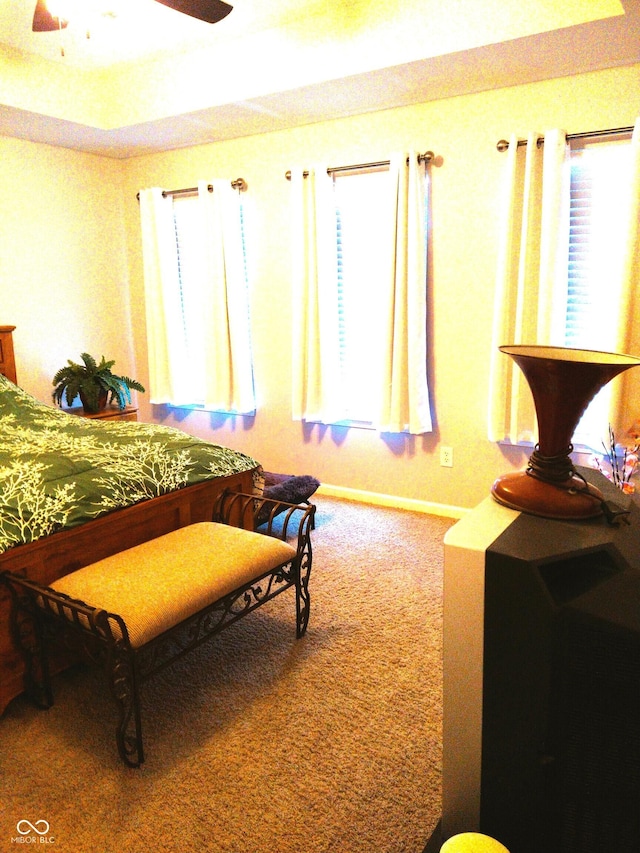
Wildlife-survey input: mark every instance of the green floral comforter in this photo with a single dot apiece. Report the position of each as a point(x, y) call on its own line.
point(59, 470)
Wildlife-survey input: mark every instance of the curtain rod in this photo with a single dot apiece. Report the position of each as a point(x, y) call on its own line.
point(238, 184)
point(427, 157)
point(503, 144)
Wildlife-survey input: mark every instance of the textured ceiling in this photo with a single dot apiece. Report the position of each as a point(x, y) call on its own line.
point(152, 79)
point(126, 30)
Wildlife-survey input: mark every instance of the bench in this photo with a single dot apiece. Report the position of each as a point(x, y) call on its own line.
point(136, 612)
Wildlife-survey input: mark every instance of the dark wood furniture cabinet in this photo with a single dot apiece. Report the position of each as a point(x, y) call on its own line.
point(110, 413)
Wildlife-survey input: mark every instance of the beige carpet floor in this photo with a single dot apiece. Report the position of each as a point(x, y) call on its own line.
point(258, 742)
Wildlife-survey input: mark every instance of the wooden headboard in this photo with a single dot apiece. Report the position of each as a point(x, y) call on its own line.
point(7, 361)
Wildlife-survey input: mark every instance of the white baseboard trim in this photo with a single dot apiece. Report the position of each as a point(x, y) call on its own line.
point(378, 499)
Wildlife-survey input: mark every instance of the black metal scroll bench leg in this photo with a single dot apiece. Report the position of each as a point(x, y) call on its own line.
point(123, 681)
point(216, 573)
point(303, 599)
point(104, 640)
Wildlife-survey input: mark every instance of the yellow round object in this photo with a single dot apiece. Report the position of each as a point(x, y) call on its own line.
point(472, 842)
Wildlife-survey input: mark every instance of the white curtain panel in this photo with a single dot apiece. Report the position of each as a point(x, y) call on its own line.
point(228, 377)
point(404, 392)
point(531, 265)
point(316, 394)
point(167, 353)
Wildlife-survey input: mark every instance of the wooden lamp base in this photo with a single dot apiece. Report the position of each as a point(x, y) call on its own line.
point(571, 500)
point(562, 381)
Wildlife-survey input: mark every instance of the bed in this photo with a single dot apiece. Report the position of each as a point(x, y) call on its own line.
point(64, 502)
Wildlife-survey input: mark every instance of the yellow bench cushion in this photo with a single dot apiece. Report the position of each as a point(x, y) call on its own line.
point(159, 583)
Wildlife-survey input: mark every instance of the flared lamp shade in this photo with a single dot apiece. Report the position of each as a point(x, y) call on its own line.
point(563, 382)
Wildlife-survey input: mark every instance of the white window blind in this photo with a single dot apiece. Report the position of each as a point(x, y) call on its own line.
point(362, 263)
point(591, 303)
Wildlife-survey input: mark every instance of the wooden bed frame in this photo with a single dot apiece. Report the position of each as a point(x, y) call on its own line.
point(49, 558)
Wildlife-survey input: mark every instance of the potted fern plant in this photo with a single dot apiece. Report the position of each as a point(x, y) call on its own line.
point(94, 383)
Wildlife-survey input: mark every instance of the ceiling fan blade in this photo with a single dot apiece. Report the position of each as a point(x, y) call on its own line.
point(44, 21)
point(210, 11)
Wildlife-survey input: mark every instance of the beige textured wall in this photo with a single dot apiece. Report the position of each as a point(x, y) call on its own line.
point(71, 272)
point(465, 188)
point(63, 270)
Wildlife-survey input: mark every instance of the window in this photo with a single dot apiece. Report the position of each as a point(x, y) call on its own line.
point(196, 295)
point(598, 204)
point(188, 231)
point(362, 272)
point(362, 220)
point(359, 293)
point(561, 273)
